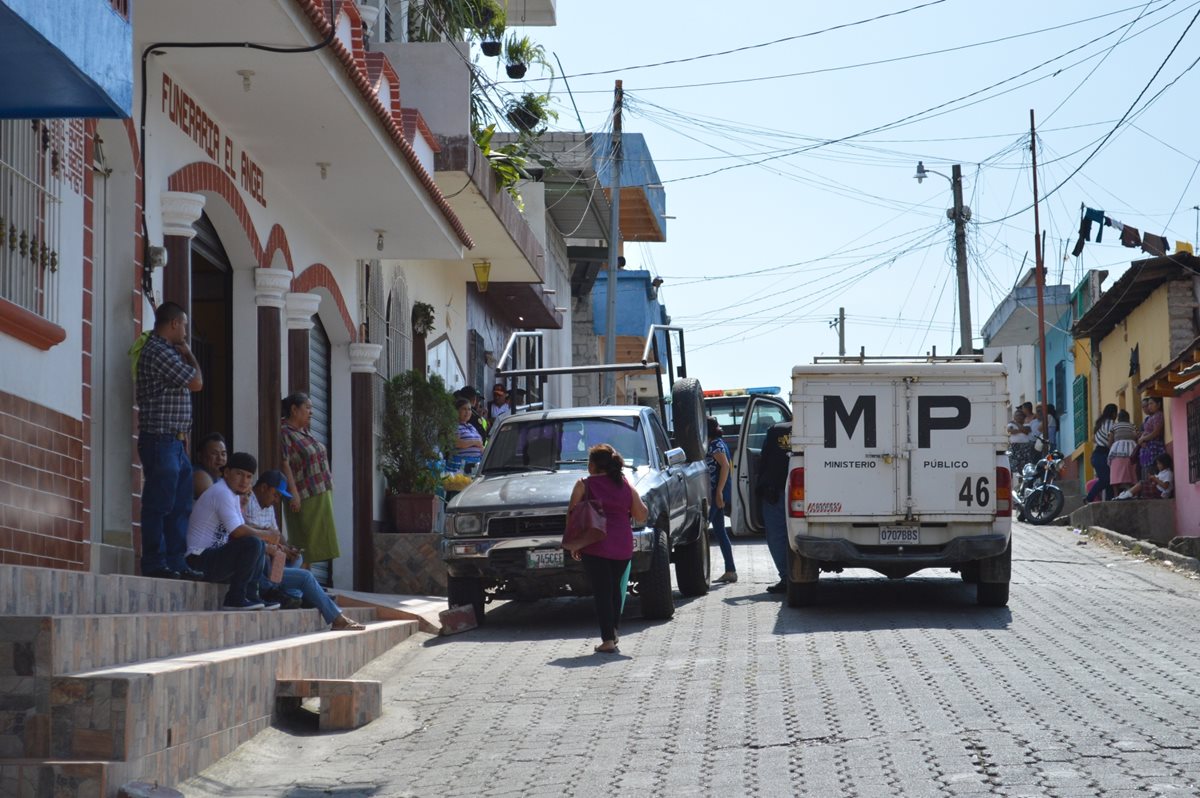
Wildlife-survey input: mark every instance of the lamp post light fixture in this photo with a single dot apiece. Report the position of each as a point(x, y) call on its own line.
point(483, 269)
point(960, 214)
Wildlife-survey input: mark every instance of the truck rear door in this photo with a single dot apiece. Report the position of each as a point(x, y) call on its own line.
point(853, 455)
point(953, 429)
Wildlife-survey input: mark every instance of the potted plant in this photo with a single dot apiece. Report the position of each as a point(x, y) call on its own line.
point(422, 318)
point(530, 112)
point(419, 424)
point(489, 24)
point(519, 53)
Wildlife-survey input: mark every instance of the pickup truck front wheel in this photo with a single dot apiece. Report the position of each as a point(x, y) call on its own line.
point(462, 590)
point(658, 602)
point(803, 577)
point(693, 566)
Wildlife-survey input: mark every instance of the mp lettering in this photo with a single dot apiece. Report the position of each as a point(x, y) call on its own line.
point(927, 421)
point(864, 410)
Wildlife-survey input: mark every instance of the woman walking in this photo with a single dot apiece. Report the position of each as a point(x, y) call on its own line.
point(721, 494)
point(606, 561)
point(1101, 438)
point(309, 513)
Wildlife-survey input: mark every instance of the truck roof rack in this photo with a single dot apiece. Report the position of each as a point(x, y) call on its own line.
point(928, 358)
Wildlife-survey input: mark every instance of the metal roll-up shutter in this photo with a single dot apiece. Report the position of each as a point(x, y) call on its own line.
point(320, 392)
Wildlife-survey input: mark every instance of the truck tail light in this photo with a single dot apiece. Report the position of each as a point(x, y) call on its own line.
point(796, 493)
point(1003, 492)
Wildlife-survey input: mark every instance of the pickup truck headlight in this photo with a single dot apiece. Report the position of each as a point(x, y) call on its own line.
point(464, 523)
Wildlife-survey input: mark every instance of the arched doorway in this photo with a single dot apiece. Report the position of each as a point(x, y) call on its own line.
point(212, 333)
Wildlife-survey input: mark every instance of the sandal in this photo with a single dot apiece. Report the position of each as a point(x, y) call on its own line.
point(607, 647)
point(344, 624)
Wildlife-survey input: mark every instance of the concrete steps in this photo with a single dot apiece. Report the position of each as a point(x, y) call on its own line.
point(92, 699)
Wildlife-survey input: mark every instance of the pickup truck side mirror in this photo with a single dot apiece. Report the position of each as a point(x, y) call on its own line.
point(676, 457)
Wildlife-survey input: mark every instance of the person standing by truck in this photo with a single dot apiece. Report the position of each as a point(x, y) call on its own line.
point(717, 460)
point(607, 560)
point(771, 485)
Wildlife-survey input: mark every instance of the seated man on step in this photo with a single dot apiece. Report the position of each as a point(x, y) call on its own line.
point(260, 515)
point(220, 544)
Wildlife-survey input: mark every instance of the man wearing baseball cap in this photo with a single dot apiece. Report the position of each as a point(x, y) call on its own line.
point(499, 407)
point(220, 544)
point(296, 581)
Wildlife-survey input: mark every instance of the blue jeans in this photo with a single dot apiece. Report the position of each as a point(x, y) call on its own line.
point(239, 562)
point(166, 501)
point(1103, 471)
point(716, 515)
point(303, 581)
point(775, 524)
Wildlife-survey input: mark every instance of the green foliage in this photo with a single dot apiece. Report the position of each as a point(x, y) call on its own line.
point(523, 50)
point(422, 318)
point(419, 428)
point(530, 112)
point(507, 162)
point(454, 20)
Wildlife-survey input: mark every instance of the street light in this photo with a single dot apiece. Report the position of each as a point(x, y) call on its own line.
point(960, 215)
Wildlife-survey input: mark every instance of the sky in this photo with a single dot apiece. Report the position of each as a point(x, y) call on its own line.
point(789, 163)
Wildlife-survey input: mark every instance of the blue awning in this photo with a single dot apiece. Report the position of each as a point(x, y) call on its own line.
point(67, 58)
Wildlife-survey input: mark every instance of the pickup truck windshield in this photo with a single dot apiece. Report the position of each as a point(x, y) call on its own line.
point(563, 443)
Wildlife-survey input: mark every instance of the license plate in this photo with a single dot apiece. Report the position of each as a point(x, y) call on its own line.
point(544, 558)
point(899, 536)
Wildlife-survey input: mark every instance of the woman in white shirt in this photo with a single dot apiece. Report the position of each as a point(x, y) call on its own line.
point(1020, 449)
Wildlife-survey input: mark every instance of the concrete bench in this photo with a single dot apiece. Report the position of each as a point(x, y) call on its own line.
point(345, 703)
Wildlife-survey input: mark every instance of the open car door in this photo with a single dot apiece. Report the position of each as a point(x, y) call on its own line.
point(762, 412)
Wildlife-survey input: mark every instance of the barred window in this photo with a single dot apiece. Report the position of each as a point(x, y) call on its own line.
point(1193, 440)
point(34, 158)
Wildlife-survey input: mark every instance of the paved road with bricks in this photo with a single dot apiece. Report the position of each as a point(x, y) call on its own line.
point(1084, 686)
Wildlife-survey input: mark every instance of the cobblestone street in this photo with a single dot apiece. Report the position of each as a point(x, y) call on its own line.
point(1084, 686)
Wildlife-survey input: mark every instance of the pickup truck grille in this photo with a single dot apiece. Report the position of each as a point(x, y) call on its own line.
point(524, 526)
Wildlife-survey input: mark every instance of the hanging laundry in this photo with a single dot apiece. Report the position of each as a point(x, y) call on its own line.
point(1093, 215)
point(1113, 223)
point(1130, 236)
point(1184, 246)
point(1155, 245)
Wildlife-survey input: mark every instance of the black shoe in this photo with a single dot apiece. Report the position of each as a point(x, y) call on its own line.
point(778, 587)
point(290, 603)
point(162, 573)
point(191, 573)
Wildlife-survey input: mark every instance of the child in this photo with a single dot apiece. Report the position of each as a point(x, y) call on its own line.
point(1155, 486)
point(1123, 439)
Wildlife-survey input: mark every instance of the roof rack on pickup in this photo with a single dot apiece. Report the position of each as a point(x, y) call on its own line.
point(929, 358)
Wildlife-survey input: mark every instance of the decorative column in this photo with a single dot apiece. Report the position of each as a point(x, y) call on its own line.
point(269, 288)
point(180, 210)
point(301, 308)
point(362, 448)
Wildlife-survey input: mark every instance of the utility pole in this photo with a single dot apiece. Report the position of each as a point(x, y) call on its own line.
point(840, 323)
point(614, 245)
point(960, 259)
point(1040, 270)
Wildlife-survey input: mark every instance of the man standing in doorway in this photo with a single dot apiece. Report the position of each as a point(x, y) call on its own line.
point(167, 375)
point(499, 408)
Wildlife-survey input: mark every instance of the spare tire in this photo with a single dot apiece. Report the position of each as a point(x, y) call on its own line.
point(687, 410)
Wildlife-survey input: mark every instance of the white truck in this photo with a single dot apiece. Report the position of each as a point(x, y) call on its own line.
point(897, 467)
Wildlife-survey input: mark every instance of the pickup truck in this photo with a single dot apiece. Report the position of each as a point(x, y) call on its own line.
point(895, 467)
point(503, 531)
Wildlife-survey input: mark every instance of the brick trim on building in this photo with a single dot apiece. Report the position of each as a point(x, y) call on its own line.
point(319, 276)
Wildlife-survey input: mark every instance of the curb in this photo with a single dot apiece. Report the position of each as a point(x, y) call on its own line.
point(1151, 550)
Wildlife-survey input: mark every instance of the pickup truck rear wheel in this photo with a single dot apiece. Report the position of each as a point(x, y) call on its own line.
point(802, 593)
point(995, 573)
point(687, 409)
point(658, 602)
point(693, 566)
point(462, 590)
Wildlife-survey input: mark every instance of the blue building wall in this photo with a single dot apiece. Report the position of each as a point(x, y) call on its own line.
point(637, 169)
point(1060, 374)
point(637, 306)
point(64, 58)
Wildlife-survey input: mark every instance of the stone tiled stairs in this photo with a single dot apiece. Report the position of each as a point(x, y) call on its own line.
point(106, 679)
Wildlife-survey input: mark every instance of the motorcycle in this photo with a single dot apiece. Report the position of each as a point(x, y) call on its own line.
point(1038, 499)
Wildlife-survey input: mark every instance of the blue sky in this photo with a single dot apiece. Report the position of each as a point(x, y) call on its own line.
point(759, 257)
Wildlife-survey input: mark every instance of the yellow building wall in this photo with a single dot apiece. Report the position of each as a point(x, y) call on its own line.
point(1147, 328)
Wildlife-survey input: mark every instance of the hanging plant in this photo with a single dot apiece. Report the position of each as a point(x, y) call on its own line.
point(422, 318)
point(520, 52)
point(530, 112)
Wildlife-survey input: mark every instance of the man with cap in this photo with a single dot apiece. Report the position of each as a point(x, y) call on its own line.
point(499, 408)
point(220, 544)
point(296, 581)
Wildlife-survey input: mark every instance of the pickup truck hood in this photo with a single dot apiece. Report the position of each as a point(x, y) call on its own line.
point(524, 489)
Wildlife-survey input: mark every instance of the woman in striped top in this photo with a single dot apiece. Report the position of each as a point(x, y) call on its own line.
point(1101, 437)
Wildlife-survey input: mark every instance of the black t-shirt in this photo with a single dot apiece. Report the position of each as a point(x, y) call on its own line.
point(773, 466)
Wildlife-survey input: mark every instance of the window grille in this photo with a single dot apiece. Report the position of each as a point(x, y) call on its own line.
point(34, 165)
point(1079, 397)
point(1193, 440)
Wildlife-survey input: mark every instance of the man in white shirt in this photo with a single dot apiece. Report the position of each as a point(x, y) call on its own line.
point(219, 542)
point(499, 408)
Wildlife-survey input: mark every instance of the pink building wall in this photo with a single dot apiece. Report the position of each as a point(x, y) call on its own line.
point(1187, 494)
